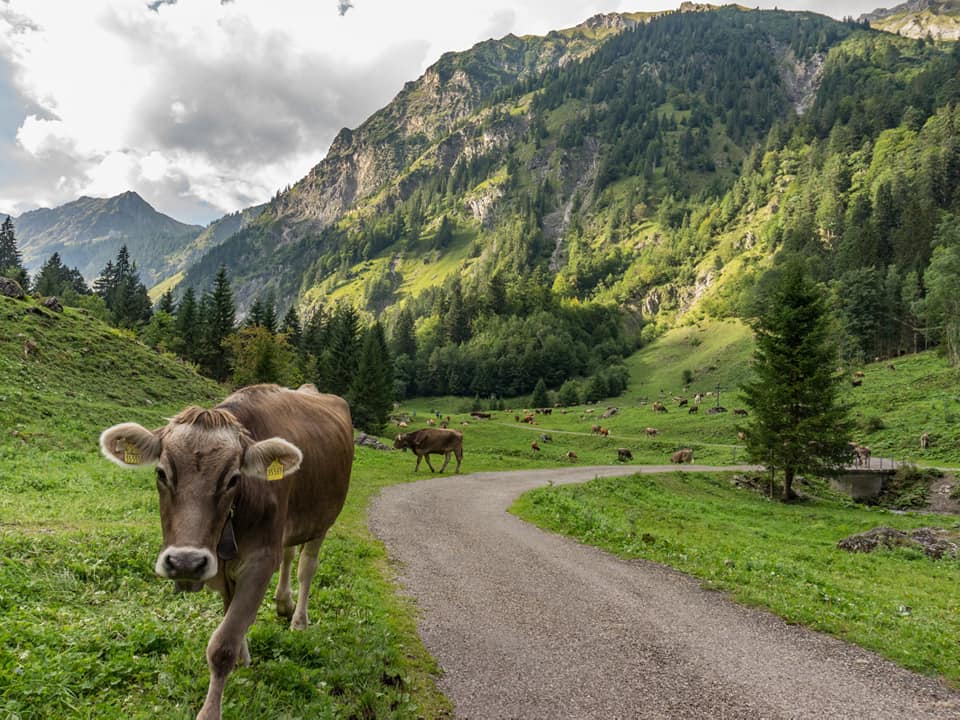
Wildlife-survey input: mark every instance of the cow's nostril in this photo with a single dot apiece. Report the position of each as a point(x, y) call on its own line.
point(169, 563)
point(200, 564)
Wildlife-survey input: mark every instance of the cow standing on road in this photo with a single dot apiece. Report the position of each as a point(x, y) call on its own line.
point(241, 486)
point(432, 441)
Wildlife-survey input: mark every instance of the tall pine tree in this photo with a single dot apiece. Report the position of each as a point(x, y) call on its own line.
point(797, 422)
point(11, 262)
point(371, 392)
point(219, 324)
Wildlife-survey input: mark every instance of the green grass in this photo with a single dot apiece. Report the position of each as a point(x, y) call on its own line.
point(715, 351)
point(776, 556)
point(88, 631)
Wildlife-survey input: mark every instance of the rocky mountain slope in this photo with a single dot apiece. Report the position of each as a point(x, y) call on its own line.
point(938, 19)
point(88, 232)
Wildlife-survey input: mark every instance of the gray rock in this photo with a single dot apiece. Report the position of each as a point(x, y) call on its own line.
point(11, 288)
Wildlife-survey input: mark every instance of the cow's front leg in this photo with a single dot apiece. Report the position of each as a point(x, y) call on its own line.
point(305, 572)
point(227, 645)
point(284, 595)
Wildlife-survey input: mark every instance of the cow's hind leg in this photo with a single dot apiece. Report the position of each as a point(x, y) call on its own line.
point(305, 571)
point(284, 595)
point(459, 453)
point(446, 459)
point(426, 456)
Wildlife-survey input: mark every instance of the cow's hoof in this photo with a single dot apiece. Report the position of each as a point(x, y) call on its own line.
point(285, 607)
point(299, 621)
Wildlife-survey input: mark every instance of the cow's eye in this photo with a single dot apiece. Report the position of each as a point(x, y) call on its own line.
point(162, 477)
point(232, 482)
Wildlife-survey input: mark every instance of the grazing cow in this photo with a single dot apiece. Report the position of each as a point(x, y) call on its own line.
point(595, 429)
point(682, 456)
point(681, 402)
point(651, 432)
point(529, 419)
point(545, 438)
point(603, 431)
point(534, 446)
point(698, 398)
point(223, 523)
point(659, 407)
point(861, 454)
point(432, 441)
point(741, 436)
point(693, 409)
point(624, 454)
point(740, 411)
point(924, 441)
point(480, 415)
point(572, 456)
point(857, 382)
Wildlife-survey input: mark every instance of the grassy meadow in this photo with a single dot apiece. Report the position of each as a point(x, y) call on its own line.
point(88, 631)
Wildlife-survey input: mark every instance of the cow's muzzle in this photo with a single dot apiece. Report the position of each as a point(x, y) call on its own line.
point(189, 566)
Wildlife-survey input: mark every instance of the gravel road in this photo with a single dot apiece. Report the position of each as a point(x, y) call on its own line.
point(527, 624)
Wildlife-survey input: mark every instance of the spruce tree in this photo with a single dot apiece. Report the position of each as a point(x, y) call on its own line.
point(188, 327)
point(797, 422)
point(291, 327)
point(166, 303)
point(219, 324)
point(371, 391)
point(11, 262)
point(339, 360)
point(539, 399)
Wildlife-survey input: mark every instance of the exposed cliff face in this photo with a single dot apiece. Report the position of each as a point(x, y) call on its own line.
point(361, 162)
point(919, 19)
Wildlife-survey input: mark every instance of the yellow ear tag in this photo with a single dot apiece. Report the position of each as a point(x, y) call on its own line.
point(131, 453)
point(275, 470)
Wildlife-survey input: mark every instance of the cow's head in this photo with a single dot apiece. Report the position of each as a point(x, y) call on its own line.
point(402, 441)
point(201, 457)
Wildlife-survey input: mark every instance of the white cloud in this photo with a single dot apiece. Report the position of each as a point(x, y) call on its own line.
point(204, 106)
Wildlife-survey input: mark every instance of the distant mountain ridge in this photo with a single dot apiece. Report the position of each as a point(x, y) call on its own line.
point(940, 19)
point(88, 232)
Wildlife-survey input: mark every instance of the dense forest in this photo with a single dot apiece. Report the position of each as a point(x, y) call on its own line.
point(541, 225)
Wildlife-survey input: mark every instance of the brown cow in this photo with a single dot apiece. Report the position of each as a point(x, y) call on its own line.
point(659, 407)
point(434, 441)
point(534, 446)
point(624, 454)
point(603, 431)
point(223, 523)
point(740, 411)
point(682, 456)
point(572, 456)
point(595, 429)
point(651, 432)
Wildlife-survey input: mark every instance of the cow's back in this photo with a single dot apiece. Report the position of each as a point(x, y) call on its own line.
point(320, 425)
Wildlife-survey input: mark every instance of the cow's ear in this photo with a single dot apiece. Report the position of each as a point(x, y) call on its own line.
point(130, 445)
point(271, 459)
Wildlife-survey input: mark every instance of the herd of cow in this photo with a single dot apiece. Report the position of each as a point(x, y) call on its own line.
point(244, 484)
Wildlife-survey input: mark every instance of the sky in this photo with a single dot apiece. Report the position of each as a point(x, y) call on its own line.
point(205, 107)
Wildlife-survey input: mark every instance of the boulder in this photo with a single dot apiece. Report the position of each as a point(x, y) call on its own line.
point(11, 288)
point(370, 441)
point(51, 303)
point(936, 543)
